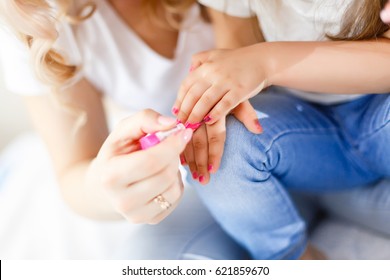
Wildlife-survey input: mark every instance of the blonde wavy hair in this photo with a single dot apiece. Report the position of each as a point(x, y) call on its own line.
point(36, 22)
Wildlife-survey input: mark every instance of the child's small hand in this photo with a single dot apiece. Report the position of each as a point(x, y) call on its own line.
point(220, 81)
point(385, 14)
point(203, 154)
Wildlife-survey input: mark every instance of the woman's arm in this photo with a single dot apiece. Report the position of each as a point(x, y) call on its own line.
point(234, 32)
point(102, 175)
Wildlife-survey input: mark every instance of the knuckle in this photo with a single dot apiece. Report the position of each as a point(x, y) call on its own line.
point(108, 180)
point(215, 139)
point(226, 103)
point(199, 145)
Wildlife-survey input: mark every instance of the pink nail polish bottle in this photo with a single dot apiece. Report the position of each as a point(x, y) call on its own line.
point(153, 139)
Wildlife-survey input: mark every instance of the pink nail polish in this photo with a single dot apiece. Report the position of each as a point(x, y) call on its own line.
point(193, 126)
point(201, 179)
point(210, 167)
point(182, 160)
point(175, 111)
point(258, 126)
point(192, 68)
point(153, 139)
point(195, 175)
point(207, 119)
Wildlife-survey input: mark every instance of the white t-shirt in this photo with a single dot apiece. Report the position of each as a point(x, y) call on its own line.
point(292, 20)
point(114, 59)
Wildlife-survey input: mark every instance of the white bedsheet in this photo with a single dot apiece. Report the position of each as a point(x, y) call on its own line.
point(35, 223)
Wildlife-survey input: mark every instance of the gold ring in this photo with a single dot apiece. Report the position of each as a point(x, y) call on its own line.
point(164, 204)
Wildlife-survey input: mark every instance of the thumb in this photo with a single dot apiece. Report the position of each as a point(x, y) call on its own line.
point(246, 114)
point(127, 133)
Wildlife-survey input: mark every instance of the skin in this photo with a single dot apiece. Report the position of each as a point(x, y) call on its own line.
point(385, 14)
point(225, 78)
point(102, 175)
point(204, 153)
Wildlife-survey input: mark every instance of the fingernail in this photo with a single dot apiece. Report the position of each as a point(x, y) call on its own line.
point(187, 135)
point(175, 111)
point(385, 16)
point(166, 120)
point(210, 167)
point(258, 126)
point(182, 160)
point(201, 179)
point(195, 175)
point(192, 68)
point(193, 126)
point(207, 119)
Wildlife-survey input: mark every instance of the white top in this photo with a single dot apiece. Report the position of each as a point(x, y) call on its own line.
point(114, 59)
point(292, 20)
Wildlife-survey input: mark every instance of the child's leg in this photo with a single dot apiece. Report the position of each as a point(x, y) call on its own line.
point(300, 148)
point(367, 123)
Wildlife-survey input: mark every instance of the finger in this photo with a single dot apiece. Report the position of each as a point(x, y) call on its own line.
point(190, 99)
point(190, 159)
point(216, 134)
point(129, 130)
point(223, 107)
point(196, 61)
point(246, 114)
point(205, 103)
point(139, 194)
point(165, 213)
point(201, 152)
point(127, 169)
point(153, 208)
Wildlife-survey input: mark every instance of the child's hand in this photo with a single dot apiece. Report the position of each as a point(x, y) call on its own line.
point(220, 81)
point(385, 14)
point(143, 185)
point(204, 153)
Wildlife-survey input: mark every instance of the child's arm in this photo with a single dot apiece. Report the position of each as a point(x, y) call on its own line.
point(203, 154)
point(102, 175)
point(324, 67)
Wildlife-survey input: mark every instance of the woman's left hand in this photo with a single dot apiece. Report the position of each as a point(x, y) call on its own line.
point(220, 81)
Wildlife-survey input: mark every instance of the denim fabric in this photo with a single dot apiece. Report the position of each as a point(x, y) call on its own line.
point(305, 147)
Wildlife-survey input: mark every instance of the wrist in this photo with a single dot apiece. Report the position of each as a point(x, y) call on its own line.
point(265, 61)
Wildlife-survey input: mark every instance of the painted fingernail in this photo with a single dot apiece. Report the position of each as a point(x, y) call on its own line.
point(166, 120)
point(258, 126)
point(182, 160)
point(207, 119)
point(192, 68)
point(187, 135)
point(201, 179)
point(195, 175)
point(210, 167)
point(193, 126)
point(175, 111)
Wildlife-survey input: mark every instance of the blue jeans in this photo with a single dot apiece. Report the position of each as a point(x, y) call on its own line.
point(306, 148)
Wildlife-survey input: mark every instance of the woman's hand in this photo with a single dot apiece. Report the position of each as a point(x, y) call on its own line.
point(220, 81)
point(144, 186)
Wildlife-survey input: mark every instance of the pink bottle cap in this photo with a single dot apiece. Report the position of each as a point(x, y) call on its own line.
point(149, 141)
